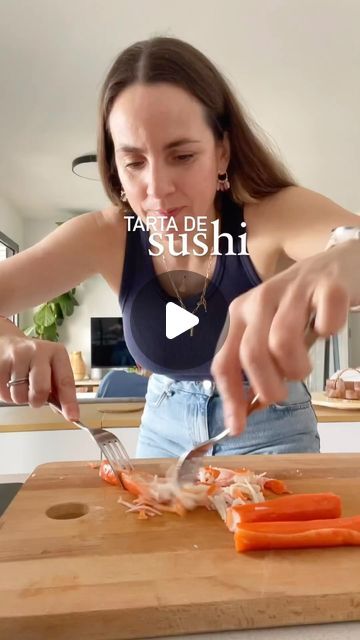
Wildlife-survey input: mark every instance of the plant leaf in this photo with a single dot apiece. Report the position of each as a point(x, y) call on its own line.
point(58, 314)
point(50, 333)
point(73, 299)
point(52, 315)
point(66, 304)
point(44, 316)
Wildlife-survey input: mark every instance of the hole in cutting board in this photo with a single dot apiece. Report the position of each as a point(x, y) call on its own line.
point(67, 511)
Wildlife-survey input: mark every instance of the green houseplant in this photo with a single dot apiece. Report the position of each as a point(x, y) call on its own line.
point(51, 315)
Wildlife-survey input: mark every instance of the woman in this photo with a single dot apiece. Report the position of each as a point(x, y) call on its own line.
point(173, 142)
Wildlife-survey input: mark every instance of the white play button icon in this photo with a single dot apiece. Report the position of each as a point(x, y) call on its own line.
point(191, 339)
point(178, 320)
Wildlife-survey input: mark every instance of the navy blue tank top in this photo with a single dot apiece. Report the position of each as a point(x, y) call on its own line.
point(143, 302)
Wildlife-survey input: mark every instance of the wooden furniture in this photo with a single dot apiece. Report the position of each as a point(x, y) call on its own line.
point(95, 413)
point(87, 385)
point(328, 410)
point(111, 413)
point(325, 414)
point(74, 564)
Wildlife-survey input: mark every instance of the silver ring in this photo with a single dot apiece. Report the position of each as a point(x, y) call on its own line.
point(14, 382)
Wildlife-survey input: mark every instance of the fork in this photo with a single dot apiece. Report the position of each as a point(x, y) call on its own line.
point(110, 445)
point(189, 463)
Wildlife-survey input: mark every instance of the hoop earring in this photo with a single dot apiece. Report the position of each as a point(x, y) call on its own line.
point(123, 197)
point(223, 183)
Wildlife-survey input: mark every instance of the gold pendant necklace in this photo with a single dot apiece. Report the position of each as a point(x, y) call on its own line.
point(202, 300)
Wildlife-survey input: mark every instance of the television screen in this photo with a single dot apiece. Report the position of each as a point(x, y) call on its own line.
point(108, 348)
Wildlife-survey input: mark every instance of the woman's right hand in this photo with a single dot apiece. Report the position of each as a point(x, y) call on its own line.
point(267, 338)
point(45, 364)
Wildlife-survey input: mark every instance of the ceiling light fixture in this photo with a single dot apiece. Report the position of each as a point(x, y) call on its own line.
point(86, 167)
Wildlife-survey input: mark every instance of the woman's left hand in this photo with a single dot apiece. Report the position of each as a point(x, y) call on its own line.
point(266, 338)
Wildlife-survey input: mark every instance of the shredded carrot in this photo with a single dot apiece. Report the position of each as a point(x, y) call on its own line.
point(237, 493)
point(276, 486)
point(107, 474)
point(213, 471)
point(213, 488)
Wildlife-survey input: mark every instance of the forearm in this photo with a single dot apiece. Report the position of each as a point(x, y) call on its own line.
point(348, 255)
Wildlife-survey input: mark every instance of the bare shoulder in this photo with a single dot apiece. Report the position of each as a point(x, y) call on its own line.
point(110, 217)
point(300, 199)
point(94, 233)
point(111, 243)
point(292, 200)
point(107, 222)
point(301, 220)
point(100, 239)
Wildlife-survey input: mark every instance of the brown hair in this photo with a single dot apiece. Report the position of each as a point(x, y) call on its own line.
point(254, 170)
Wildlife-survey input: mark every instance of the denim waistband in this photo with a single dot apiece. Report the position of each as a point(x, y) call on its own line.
point(180, 414)
point(203, 387)
point(297, 390)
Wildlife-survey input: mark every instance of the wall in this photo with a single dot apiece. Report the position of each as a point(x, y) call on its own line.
point(95, 299)
point(354, 329)
point(12, 225)
point(354, 335)
point(94, 296)
point(11, 222)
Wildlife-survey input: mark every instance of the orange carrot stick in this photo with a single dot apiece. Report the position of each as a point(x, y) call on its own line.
point(302, 506)
point(295, 535)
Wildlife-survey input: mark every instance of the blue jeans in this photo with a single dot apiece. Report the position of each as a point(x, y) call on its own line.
point(181, 414)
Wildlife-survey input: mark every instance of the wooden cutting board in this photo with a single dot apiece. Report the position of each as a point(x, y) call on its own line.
point(319, 398)
point(105, 575)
